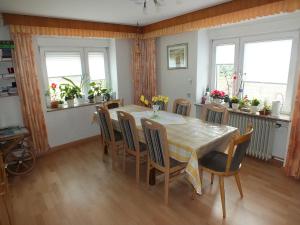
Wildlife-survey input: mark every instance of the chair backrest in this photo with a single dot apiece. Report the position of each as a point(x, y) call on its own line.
point(182, 107)
point(112, 104)
point(129, 130)
point(105, 123)
point(215, 113)
point(238, 149)
point(157, 143)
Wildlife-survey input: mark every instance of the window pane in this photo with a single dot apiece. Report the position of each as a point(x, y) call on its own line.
point(267, 61)
point(61, 64)
point(96, 66)
point(265, 91)
point(225, 67)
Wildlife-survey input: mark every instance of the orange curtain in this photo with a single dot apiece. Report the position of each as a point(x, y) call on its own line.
point(29, 91)
point(144, 68)
point(292, 166)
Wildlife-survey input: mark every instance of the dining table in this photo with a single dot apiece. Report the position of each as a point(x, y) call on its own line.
point(188, 138)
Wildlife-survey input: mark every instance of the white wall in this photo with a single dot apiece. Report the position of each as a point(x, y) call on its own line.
point(10, 110)
point(180, 83)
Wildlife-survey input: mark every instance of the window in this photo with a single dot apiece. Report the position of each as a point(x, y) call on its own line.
point(266, 67)
point(81, 65)
point(63, 64)
point(265, 64)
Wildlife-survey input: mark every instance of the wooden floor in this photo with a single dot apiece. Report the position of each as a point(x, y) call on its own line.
point(74, 186)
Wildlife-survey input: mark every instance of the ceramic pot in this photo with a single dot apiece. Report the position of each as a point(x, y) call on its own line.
point(217, 100)
point(98, 98)
point(235, 106)
point(70, 102)
point(254, 109)
point(54, 104)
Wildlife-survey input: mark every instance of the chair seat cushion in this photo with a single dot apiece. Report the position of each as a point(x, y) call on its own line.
point(215, 161)
point(174, 162)
point(118, 136)
point(143, 147)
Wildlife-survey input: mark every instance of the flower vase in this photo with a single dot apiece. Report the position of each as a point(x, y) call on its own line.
point(235, 106)
point(155, 110)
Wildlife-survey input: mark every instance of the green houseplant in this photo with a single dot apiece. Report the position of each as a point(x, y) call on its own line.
point(235, 103)
point(254, 105)
point(69, 91)
point(95, 90)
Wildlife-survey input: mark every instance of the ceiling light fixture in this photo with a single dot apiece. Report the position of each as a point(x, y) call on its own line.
point(145, 3)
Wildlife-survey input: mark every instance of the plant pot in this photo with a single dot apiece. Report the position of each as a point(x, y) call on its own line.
point(217, 100)
point(61, 105)
point(54, 104)
point(235, 106)
point(254, 109)
point(91, 100)
point(80, 100)
point(98, 98)
point(70, 102)
point(265, 112)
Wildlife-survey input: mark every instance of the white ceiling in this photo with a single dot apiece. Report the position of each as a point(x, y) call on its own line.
point(111, 11)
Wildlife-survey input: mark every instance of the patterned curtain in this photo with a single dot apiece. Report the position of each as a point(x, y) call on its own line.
point(144, 68)
point(29, 91)
point(292, 166)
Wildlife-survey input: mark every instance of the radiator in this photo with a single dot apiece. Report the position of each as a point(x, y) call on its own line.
point(262, 137)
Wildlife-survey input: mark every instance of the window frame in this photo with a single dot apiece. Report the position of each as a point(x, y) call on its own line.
point(84, 63)
point(239, 59)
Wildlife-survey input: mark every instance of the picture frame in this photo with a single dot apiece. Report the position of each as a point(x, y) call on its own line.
point(178, 56)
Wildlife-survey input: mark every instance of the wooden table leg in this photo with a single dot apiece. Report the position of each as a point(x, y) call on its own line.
point(152, 177)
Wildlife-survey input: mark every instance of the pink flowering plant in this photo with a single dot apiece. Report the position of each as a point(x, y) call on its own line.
point(217, 94)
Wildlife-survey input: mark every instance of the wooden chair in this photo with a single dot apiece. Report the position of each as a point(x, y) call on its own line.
point(112, 104)
point(214, 113)
point(158, 153)
point(182, 107)
point(112, 139)
point(225, 165)
point(132, 146)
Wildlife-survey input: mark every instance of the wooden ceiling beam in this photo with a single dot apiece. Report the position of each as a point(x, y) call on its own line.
point(15, 19)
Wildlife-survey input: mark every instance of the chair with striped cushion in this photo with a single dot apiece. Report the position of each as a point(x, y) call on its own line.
point(112, 104)
point(132, 146)
point(182, 107)
point(112, 139)
point(214, 113)
point(158, 153)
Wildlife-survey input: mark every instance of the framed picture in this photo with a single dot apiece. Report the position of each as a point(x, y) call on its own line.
point(178, 56)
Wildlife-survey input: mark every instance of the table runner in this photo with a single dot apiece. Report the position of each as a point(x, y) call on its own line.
point(188, 138)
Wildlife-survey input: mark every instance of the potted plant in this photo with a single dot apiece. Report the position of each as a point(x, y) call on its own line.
point(69, 92)
point(91, 96)
point(244, 104)
point(254, 105)
point(96, 88)
point(60, 104)
point(235, 103)
point(217, 96)
point(53, 96)
point(106, 93)
point(266, 110)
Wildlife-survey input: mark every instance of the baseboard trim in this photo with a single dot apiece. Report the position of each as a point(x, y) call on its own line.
point(71, 144)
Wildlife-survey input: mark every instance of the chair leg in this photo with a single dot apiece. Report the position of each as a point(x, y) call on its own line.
point(137, 169)
point(222, 192)
point(212, 178)
point(148, 172)
point(167, 180)
point(114, 156)
point(201, 176)
point(238, 182)
point(124, 160)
